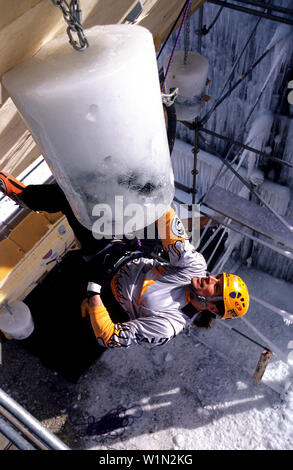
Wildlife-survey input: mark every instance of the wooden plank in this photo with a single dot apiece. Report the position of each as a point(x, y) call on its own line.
point(24, 36)
point(17, 147)
point(109, 12)
point(13, 9)
point(3, 442)
point(248, 213)
point(27, 27)
point(158, 16)
point(41, 21)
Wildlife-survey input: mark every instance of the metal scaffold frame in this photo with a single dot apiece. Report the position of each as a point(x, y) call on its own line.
point(23, 430)
point(268, 15)
point(198, 126)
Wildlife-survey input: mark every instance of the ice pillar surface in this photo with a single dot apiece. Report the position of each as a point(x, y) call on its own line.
point(98, 119)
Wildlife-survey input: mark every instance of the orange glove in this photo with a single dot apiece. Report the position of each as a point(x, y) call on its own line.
point(100, 320)
point(85, 308)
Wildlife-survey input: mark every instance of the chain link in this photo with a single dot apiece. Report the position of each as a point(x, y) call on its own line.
point(72, 16)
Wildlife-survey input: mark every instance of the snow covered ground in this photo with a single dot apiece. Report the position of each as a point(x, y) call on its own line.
point(187, 396)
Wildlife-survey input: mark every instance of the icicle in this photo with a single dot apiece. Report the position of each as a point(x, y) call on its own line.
point(282, 32)
point(257, 138)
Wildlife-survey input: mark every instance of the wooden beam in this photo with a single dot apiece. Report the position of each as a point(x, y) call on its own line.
point(13, 9)
point(17, 147)
point(159, 15)
point(23, 31)
point(23, 37)
point(109, 12)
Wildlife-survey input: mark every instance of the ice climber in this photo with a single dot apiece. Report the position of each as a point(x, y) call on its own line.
point(159, 298)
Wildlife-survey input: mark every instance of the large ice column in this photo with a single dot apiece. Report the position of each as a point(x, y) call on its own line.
point(190, 78)
point(98, 119)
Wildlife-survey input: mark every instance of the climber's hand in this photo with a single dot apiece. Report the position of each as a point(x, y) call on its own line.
point(95, 301)
point(88, 304)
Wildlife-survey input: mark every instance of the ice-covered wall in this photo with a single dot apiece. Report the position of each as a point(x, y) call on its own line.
point(257, 112)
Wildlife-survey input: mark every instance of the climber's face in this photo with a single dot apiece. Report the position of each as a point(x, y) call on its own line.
point(209, 286)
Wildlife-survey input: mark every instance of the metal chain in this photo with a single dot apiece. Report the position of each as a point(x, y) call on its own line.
point(72, 16)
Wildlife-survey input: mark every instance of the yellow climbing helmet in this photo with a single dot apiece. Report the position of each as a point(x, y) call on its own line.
point(235, 296)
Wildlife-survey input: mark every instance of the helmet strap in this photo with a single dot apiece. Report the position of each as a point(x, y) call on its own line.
point(203, 300)
point(215, 299)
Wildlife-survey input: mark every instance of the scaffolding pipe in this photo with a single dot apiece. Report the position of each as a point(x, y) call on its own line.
point(234, 67)
point(258, 13)
point(206, 228)
point(269, 6)
point(246, 147)
point(286, 253)
point(13, 436)
point(216, 247)
point(219, 267)
point(30, 422)
point(22, 429)
point(219, 322)
point(278, 216)
point(232, 88)
point(209, 241)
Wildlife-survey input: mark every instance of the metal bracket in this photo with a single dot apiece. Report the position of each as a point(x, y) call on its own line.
point(169, 99)
point(135, 13)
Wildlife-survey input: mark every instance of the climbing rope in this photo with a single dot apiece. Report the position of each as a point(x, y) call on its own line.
point(113, 423)
point(175, 45)
point(171, 30)
point(186, 38)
